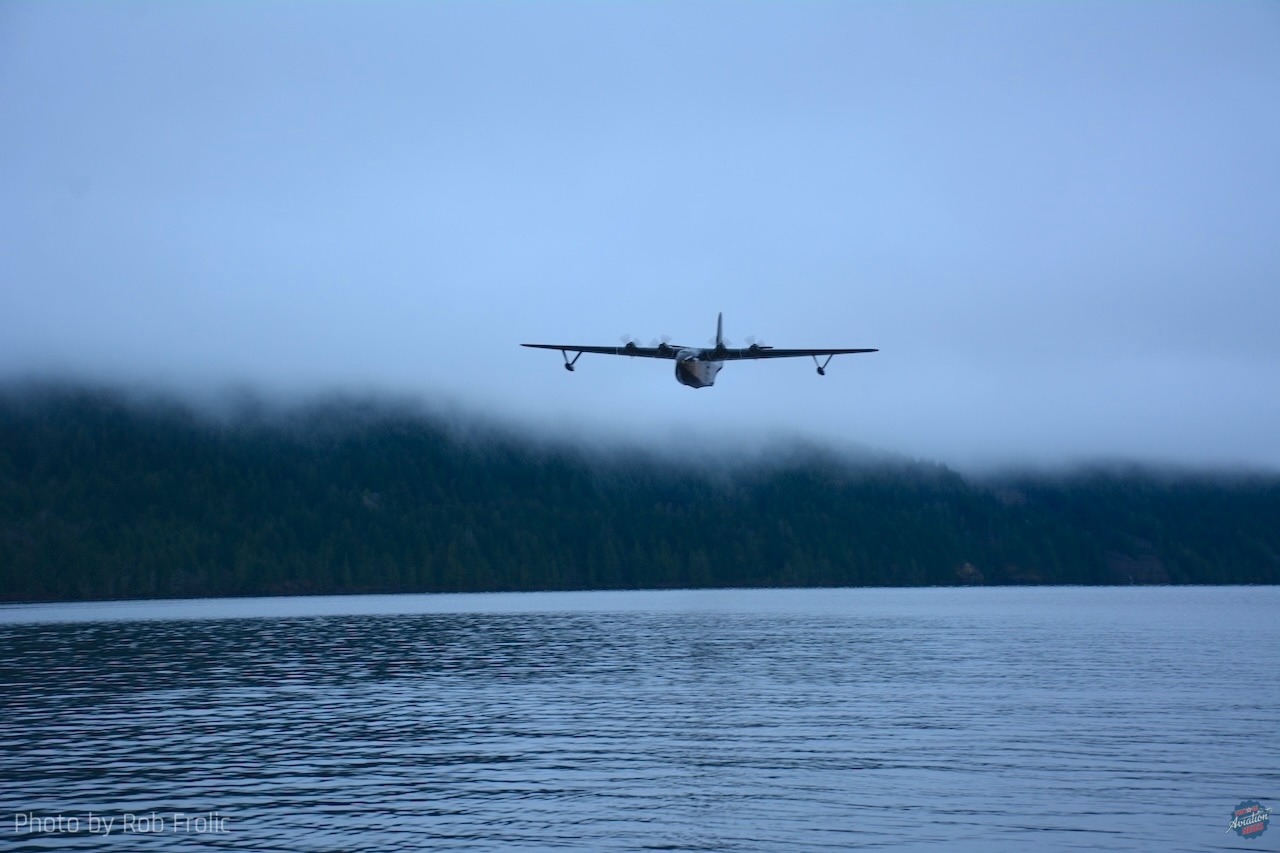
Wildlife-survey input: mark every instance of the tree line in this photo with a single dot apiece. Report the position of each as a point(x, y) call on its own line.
point(104, 497)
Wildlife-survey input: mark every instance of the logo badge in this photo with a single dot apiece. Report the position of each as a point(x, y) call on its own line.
point(1250, 819)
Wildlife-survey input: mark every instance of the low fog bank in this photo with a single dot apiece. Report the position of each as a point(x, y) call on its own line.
point(712, 449)
point(320, 416)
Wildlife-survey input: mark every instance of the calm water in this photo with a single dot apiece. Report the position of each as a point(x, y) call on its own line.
point(992, 719)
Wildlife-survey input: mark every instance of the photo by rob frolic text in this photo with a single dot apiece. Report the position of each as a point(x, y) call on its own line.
point(151, 823)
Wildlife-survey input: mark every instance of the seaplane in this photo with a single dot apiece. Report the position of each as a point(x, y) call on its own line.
point(697, 366)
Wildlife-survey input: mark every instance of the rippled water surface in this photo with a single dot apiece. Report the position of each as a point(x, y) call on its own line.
point(985, 719)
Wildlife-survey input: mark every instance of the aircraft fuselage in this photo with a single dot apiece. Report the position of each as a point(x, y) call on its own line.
point(697, 368)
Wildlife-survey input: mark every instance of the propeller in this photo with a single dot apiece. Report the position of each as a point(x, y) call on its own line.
point(660, 343)
point(629, 341)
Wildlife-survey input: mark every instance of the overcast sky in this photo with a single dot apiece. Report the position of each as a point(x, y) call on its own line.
point(1060, 223)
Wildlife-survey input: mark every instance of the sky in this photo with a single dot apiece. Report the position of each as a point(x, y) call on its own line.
point(1059, 222)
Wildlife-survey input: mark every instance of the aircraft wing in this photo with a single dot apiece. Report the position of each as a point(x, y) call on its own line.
point(663, 351)
point(770, 352)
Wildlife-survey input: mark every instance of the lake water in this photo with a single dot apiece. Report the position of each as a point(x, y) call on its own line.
point(981, 719)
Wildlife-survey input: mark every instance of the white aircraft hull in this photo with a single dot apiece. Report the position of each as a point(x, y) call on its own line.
point(696, 373)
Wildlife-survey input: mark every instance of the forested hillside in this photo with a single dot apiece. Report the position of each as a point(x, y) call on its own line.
point(104, 498)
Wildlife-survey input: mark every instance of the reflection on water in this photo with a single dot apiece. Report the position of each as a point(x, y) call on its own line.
point(726, 720)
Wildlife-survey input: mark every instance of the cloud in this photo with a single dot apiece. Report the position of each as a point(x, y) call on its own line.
point(1057, 222)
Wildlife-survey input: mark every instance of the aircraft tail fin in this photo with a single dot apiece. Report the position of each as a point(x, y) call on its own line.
point(720, 329)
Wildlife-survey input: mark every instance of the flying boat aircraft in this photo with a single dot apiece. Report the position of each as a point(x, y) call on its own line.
point(697, 366)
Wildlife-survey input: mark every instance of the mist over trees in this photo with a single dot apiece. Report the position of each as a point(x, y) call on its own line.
point(103, 497)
